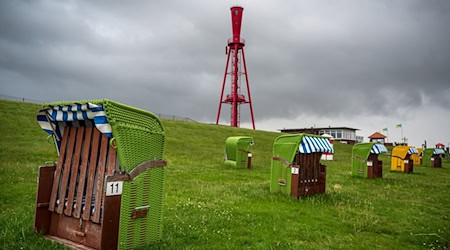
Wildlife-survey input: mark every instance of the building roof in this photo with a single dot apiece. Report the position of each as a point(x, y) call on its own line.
point(377, 135)
point(314, 128)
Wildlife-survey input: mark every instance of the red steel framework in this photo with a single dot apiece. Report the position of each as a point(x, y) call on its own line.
point(235, 50)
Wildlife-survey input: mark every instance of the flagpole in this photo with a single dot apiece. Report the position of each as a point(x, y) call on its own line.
point(401, 127)
point(403, 140)
point(387, 133)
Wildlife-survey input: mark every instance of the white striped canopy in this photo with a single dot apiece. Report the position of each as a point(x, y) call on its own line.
point(412, 150)
point(378, 149)
point(310, 144)
point(438, 151)
point(53, 119)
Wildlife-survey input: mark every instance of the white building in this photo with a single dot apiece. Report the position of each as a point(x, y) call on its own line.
point(342, 134)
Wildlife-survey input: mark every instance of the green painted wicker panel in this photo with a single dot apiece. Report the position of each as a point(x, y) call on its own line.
point(139, 137)
point(426, 157)
point(142, 145)
point(279, 172)
point(360, 154)
point(144, 190)
point(285, 146)
point(236, 148)
point(230, 163)
point(139, 134)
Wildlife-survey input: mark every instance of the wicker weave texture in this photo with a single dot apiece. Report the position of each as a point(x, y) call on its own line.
point(143, 191)
point(360, 153)
point(236, 149)
point(139, 134)
point(285, 146)
point(140, 137)
point(426, 157)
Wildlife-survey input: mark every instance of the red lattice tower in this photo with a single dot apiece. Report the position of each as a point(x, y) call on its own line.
point(235, 51)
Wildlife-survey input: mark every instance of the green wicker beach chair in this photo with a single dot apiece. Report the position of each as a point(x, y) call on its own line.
point(237, 151)
point(365, 161)
point(106, 190)
point(296, 169)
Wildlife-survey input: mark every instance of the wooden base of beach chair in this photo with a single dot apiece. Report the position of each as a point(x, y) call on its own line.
point(376, 170)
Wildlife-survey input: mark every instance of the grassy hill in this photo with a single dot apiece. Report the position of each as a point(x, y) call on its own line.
point(208, 205)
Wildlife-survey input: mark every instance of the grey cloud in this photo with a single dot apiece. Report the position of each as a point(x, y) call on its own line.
point(370, 57)
point(303, 57)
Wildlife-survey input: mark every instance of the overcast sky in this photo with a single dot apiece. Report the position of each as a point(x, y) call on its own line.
point(358, 63)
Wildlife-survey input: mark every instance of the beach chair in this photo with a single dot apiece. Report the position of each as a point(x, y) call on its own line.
point(365, 162)
point(432, 157)
point(296, 169)
point(401, 159)
point(237, 151)
point(106, 189)
point(417, 158)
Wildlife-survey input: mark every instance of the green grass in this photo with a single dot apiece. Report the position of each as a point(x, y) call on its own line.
point(208, 205)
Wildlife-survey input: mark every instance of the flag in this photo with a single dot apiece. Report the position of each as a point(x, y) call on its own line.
point(385, 129)
point(398, 125)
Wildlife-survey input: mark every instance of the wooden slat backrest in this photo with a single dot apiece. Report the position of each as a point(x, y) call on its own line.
point(100, 178)
point(91, 175)
point(66, 169)
point(111, 161)
point(316, 167)
point(56, 179)
point(74, 170)
point(310, 158)
point(309, 167)
point(78, 186)
point(301, 163)
point(82, 174)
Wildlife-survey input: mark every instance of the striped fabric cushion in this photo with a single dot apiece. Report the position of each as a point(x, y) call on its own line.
point(413, 151)
point(53, 119)
point(378, 149)
point(438, 151)
point(311, 144)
